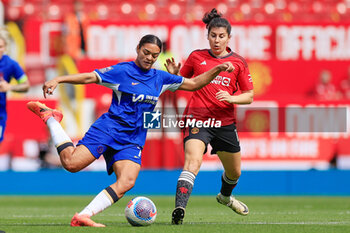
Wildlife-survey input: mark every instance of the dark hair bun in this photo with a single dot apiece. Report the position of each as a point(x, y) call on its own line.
point(211, 15)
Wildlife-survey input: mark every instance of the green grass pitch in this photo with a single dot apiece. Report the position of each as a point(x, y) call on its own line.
point(37, 214)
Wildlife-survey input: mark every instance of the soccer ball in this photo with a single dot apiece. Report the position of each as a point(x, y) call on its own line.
point(140, 211)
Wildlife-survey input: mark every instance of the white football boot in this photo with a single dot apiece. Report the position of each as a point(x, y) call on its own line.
point(237, 206)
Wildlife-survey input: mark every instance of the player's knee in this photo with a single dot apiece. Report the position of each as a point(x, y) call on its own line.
point(193, 165)
point(128, 184)
point(236, 175)
point(233, 175)
point(71, 167)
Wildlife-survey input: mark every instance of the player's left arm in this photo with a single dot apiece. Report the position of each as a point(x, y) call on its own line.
point(246, 97)
point(82, 78)
point(21, 86)
point(17, 73)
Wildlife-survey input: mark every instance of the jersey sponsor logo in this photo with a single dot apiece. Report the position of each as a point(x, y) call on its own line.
point(151, 120)
point(204, 63)
point(145, 99)
point(224, 81)
point(104, 70)
point(134, 83)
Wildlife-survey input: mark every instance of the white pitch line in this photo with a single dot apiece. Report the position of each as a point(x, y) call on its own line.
point(298, 223)
point(212, 223)
point(274, 223)
point(53, 216)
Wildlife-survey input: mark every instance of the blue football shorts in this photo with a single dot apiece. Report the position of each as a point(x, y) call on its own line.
point(100, 143)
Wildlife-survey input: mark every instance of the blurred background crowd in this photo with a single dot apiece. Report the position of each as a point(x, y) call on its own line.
point(192, 10)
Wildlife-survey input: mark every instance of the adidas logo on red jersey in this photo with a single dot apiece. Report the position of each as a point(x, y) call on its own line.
point(204, 63)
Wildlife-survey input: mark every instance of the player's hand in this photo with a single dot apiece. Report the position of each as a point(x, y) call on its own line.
point(224, 96)
point(171, 66)
point(226, 66)
point(49, 87)
point(4, 86)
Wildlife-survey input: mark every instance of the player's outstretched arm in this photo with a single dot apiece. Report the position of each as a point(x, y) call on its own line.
point(201, 80)
point(82, 78)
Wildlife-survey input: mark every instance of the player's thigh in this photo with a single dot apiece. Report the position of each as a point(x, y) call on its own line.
point(194, 149)
point(82, 157)
point(196, 142)
point(231, 163)
point(90, 147)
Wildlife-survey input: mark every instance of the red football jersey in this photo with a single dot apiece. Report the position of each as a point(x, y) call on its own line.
point(203, 103)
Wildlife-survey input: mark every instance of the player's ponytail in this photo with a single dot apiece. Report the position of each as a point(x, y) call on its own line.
point(215, 19)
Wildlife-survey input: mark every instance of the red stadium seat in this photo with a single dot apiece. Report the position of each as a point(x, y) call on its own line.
point(164, 10)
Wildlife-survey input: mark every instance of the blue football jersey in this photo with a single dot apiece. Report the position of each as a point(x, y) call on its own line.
point(135, 91)
point(9, 69)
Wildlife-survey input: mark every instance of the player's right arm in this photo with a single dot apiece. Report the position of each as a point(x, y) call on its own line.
point(82, 78)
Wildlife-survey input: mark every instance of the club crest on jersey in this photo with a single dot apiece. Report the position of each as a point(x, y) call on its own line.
point(145, 98)
point(224, 81)
point(100, 149)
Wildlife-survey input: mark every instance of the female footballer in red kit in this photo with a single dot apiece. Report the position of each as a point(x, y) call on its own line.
point(215, 101)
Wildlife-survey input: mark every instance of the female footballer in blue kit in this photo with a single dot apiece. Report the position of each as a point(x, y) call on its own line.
point(118, 134)
point(9, 69)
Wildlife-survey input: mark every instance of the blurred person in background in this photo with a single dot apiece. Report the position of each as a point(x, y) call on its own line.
point(167, 97)
point(215, 101)
point(345, 86)
point(75, 31)
point(166, 54)
point(9, 69)
point(325, 89)
point(118, 134)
